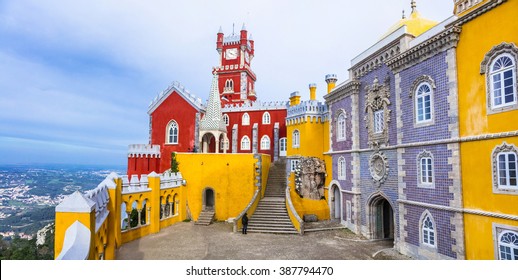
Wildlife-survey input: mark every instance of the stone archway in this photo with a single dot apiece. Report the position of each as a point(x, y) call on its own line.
point(380, 218)
point(208, 143)
point(209, 199)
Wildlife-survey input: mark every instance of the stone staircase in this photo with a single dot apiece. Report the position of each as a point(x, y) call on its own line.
point(205, 218)
point(271, 215)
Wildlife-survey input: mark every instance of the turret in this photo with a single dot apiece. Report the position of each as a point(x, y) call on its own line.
point(294, 98)
point(312, 91)
point(252, 49)
point(219, 42)
point(244, 36)
point(331, 82)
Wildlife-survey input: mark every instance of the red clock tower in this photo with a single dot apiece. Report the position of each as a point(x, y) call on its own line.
point(236, 79)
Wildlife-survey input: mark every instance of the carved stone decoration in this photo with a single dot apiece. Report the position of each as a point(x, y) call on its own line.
point(377, 100)
point(310, 178)
point(503, 148)
point(378, 167)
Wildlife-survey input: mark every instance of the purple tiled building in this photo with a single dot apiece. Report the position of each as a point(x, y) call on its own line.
point(394, 144)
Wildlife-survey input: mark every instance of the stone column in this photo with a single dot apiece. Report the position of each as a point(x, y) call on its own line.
point(129, 219)
point(139, 217)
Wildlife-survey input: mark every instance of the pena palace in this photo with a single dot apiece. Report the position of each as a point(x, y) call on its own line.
point(419, 145)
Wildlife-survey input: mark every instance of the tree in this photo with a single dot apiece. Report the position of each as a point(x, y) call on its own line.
point(174, 163)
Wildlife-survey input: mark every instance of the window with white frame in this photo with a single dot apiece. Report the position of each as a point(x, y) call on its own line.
point(245, 120)
point(172, 132)
point(423, 103)
point(502, 81)
point(245, 143)
point(293, 164)
point(224, 145)
point(226, 119)
point(428, 231)
point(378, 121)
point(229, 86)
point(266, 118)
point(505, 168)
point(508, 245)
point(340, 125)
point(295, 139)
point(425, 172)
point(341, 168)
point(265, 142)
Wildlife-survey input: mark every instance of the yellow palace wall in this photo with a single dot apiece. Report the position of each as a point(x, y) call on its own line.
point(231, 176)
point(477, 38)
point(314, 141)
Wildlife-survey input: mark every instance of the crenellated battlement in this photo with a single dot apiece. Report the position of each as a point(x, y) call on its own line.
point(143, 150)
point(180, 89)
point(309, 110)
point(255, 106)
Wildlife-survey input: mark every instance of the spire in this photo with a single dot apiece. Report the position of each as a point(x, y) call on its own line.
point(403, 16)
point(213, 119)
point(250, 38)
point(243, 27)
point(413, 5)
point(220, 29)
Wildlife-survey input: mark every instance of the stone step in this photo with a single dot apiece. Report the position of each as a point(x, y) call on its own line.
point(268, 220)
point(270, 224)
point(294, 231)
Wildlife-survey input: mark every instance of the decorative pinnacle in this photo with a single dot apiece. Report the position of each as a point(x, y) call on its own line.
point(403, 16)
point(244, 27)
point(220, 29)
point(413, 5)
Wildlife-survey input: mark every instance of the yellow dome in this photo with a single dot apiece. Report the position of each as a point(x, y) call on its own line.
point(415, 24)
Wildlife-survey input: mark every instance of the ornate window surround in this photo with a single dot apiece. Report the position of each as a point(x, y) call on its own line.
point(341, 126)
point(378, 167)
point(341, 168)
point(504, 48)
point(422, 155)
point(245, 119)
point(498, 231)
point(245, 143)
point(377, 99)
point(503, 148)
point(293, 164)
point(174, 126)
point(424, 79)
point(265, 142)
point(427, 215)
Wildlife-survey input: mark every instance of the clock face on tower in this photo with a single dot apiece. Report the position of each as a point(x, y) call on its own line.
point(231, 53)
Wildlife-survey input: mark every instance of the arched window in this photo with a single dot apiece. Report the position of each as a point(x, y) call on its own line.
point(226, 119)
point(245, 120)
point(340, 125)
point(505, 168)
point(245, 143)
point(508, 245)
point(229, 86)
point(379, 120)
point(295, 139)
point(502, 81)
point(172, 132)
point(423, 103)
point(266, 118)
point(341, 168)
point(428, 231)
point(265, 143)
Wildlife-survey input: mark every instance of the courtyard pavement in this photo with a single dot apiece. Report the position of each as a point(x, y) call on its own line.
point(186, 241)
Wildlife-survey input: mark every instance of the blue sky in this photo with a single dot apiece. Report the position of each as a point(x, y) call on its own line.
point(76, 77)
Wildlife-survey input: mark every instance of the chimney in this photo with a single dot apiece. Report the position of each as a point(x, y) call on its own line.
point(294, 98)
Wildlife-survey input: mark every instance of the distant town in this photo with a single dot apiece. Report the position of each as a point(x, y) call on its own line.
point(29, 193)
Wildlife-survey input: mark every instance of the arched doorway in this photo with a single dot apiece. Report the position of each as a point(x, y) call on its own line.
point(335, 203)
point(208, 199)
point(381, 218)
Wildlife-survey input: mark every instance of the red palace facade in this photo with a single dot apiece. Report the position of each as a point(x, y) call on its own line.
point(175, 114)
